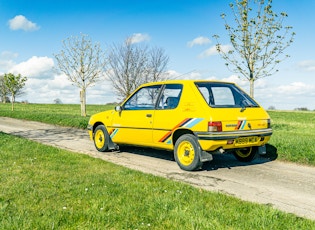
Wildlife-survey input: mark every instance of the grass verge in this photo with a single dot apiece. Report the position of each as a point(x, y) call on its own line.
point(294, 136)
point(59, 114)
point(43, 187)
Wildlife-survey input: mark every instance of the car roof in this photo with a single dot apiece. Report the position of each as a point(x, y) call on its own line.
point(184, 81)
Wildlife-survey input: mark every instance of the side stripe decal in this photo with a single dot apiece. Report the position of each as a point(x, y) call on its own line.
point(188, 123)
point(168, 134)
point(113, 132)
point(240, 125)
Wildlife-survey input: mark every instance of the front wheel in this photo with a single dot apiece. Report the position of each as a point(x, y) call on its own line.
point(246, 154)
point(101, 138)
point(187, 152)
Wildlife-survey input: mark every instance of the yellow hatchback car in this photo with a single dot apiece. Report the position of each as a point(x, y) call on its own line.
point(193, 118)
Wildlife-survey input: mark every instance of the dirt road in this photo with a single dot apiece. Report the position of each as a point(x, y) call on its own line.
point(285, 186)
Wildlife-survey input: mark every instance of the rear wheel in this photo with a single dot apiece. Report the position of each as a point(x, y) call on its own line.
point(245, 154)
point(187, 152)
point(101, 138)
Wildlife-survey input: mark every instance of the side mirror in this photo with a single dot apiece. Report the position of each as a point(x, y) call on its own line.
point(118, 108)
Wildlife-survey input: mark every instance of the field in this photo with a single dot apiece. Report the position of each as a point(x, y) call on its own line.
point(293, 137)
point(43, 187)
point(64, 115)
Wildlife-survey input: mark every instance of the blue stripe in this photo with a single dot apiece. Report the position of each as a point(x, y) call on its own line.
point(243, 124)
point(114, 133)
point(193, 122)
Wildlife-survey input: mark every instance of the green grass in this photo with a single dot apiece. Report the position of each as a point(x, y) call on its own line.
point(59, 114)
point(293, 132)
point(294, 136)
point(43, 187)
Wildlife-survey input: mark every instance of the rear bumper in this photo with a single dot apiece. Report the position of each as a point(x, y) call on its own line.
point(233, 134)
point(211, 141)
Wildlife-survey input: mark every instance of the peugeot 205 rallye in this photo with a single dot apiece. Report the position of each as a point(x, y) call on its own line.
point(193, 118)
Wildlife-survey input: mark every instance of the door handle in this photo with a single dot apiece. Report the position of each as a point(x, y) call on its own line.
point(149, 115)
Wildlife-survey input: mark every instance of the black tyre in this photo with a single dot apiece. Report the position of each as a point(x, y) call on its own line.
point(246, 154)
point(187, 152)
point(101, 138)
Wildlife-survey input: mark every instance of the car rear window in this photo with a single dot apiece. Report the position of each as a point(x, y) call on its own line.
point(224, 95)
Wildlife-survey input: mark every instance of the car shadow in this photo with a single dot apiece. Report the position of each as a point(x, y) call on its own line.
point(229, 161)
point(149, 152)
point(219, 160)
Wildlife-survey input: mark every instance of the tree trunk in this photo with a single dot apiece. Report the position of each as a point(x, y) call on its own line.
point(251, 85)
point(12, 100)
point(83, 102)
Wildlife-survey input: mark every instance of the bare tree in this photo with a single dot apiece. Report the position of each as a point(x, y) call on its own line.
point(157, 65)
point(83, 63)
point(57, 101)
point(130, 65)
point(258, 38)
point(14, 84)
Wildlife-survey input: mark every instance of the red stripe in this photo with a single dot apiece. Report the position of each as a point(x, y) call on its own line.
point(168, 134)
point(238, 125)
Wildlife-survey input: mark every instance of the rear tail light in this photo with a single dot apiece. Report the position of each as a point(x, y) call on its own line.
point(215, 126)
point(269, 123)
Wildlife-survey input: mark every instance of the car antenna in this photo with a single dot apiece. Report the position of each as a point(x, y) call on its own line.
point(185, 74)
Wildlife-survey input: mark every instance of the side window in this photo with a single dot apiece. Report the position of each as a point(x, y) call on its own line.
point(223, 96)
point(170, 96)
point(144, 99)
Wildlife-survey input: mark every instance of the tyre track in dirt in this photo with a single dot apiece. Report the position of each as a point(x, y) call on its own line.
point(285, 186)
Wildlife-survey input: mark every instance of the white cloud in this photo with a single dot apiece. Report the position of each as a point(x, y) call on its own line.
point(41, 67)
point(48, 89)
point(213, 51)
point(297, 88)
point(58, 86)
point(307, 65)
point(44, 85)
point(286, 97)
point(6, 61)
point(199, 41)
point(192, 75)
point(138, 37)
point(8, 55)
point(20, 22)
point(237, 80)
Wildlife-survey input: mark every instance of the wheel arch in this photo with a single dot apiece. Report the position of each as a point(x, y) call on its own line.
point(97, 124)
point(111, 144)
point(180, 132)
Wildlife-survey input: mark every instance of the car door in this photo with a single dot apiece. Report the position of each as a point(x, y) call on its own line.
point(133, 124)
point(167, 115)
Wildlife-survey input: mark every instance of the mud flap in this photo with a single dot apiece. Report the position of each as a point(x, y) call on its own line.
point(205, 156)
point(111, 144)
point(262, 150)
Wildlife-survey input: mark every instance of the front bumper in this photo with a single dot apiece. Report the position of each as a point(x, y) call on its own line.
point(90, 131)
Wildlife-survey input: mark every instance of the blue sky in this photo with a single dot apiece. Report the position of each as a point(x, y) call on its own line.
point(32, 31)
